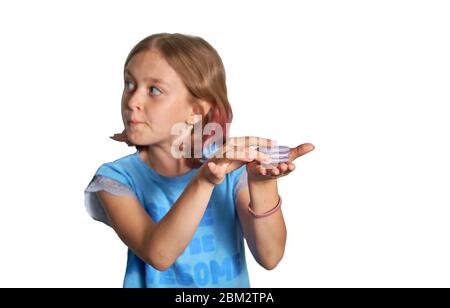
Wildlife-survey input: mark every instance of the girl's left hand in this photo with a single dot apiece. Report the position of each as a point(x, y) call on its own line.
point(256, 171)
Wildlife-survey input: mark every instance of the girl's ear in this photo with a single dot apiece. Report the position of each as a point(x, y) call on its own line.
point(122, 137)
point(206, 107)
point(202, 107)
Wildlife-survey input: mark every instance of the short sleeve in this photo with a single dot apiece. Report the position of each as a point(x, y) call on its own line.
point(241, 183)
point(92, 202)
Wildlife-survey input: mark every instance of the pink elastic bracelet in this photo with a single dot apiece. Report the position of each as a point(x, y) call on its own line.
point(260, 215)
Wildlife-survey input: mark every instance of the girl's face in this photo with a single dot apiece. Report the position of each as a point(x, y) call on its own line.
point(153, 100)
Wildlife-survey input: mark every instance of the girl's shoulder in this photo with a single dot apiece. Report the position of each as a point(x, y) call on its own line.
point(120, 169)
point(113, 177)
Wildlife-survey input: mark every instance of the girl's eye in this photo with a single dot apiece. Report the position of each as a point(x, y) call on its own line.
point(154, 91)
point(129, 86)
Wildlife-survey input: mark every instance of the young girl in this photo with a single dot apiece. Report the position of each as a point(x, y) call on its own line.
point(185, 218)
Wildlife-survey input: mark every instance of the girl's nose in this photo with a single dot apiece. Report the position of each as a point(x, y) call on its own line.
point(135, 102)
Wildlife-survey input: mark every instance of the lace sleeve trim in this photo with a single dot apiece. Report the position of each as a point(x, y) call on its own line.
point(109, 185)
point(93, 203)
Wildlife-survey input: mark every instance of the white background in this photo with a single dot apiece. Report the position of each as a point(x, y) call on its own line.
point(366, 81)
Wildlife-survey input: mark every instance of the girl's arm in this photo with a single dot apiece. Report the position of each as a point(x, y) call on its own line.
point(158, 244)
point(161, 244)
point(266, 237)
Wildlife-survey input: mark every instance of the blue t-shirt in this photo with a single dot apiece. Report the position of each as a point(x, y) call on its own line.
point(215, 257)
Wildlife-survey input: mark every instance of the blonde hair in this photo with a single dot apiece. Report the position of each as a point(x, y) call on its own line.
point(200, 68)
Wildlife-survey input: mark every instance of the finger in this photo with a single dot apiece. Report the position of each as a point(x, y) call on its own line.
point(283, 167)
point(262, 170)
point(256, 155)
point(291, 166)
point(247, 141)
point(213, 169)
point(261, 157)
point(228, 152)
point(275, 171)
point(245, 154)
point(302, 149)
point(216, 169)
point(269, 164)
point(238, 153)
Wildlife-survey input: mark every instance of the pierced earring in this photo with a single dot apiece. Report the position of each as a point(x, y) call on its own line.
point(190, 123)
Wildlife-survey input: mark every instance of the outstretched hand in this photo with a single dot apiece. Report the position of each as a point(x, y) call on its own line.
point(261, 172)
point(232, 155)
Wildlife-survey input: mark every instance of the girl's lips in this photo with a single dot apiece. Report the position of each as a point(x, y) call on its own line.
point(135, 122)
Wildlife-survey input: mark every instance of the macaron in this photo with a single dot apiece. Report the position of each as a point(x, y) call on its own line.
point(278, 154)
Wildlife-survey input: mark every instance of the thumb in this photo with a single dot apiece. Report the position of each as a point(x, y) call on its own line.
point(217, 170)
point(302, 149)
point(212, 167)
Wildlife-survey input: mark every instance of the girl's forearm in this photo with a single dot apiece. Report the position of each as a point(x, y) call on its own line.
point(268, 234)
point(173, 233)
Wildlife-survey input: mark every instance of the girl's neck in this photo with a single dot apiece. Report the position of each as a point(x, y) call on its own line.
point(161, 160)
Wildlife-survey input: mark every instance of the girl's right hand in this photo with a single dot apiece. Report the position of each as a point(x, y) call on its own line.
point(232, 155)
